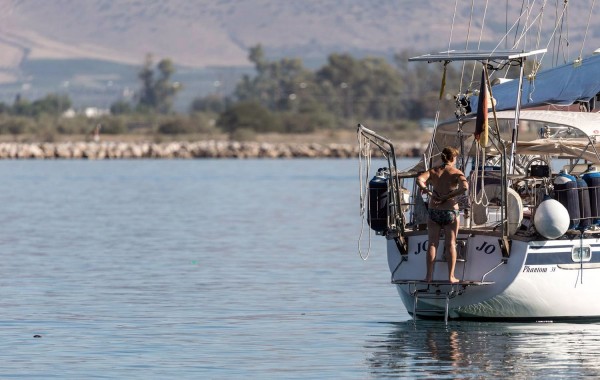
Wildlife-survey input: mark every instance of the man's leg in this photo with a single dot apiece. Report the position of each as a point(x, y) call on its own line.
point(434, 239)
point(450, 231)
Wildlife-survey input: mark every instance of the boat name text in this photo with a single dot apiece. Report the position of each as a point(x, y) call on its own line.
point(485, 247)
point(529, 269)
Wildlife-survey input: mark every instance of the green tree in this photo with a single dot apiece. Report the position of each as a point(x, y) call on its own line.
point(147, 95)
point(279, 86)
point(120, 107)
point(51, 104)
point(366, 88)
point(22, 106)
point(248, 115)
point(158, 91)
point(209, 103)
point(175, 126)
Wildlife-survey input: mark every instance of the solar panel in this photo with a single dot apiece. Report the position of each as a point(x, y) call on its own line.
point(475, 55)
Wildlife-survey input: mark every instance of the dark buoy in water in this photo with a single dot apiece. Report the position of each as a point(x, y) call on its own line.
point(37, 336)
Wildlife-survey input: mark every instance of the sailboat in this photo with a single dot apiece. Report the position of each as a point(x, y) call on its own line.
point(528, 243)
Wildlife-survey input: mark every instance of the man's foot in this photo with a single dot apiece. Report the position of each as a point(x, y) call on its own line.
point(454, 280)
point(427, 279)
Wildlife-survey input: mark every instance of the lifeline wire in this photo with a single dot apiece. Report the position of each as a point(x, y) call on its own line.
point(586, 29)
point(462, 75)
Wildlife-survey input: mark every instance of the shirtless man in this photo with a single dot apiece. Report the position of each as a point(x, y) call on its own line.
point(448, 183)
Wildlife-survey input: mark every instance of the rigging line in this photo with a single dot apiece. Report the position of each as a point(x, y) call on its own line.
point(480, 38)
point(525, 31)
point(505, 37)
point(537, 63)
point(533, 22)
point(437, 117)
point(479, 175)
point(539, 34)
point(360, 176)
point(364, 148)
point(559, 42)
point(506, 25)
point(587, 27)
point(565, 57)
point(567, 44)
point(462, 75)
point(452, 27)
point(519, 22)
point(552, 37)
point(528, 26)
point(554, 42)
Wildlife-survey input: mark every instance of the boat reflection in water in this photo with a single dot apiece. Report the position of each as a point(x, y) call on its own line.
point(429, 349)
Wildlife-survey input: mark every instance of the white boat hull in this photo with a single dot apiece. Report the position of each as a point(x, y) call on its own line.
point(540, 280)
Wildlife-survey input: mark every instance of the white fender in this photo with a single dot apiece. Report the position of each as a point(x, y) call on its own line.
point(551, 219)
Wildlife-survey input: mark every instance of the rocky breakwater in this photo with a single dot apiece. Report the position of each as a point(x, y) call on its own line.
point(187, 150)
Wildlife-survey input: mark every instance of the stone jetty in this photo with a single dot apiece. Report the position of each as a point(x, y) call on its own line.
point(188, 150)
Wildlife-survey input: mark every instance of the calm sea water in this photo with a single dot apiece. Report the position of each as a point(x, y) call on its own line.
point(225, 269)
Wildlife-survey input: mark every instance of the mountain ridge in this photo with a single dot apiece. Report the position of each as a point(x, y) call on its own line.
point(213, 34)
point(220, 32)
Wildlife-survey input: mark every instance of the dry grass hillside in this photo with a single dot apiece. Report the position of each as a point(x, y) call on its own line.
point(219, 32)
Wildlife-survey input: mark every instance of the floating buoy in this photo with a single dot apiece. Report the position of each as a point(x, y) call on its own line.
point(551, 219)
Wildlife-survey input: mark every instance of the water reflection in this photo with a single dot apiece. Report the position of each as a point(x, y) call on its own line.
point(429, 349)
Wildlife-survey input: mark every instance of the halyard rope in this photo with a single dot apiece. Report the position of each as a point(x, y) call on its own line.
point(364, 149)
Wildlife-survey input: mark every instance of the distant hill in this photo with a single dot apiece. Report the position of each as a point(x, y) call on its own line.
point(98, 45)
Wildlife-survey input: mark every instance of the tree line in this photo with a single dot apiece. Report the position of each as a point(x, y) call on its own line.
point(281, 96)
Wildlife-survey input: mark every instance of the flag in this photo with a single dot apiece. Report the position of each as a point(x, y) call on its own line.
point(481, 123)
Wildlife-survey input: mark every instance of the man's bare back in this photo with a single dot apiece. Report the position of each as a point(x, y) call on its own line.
point(445, 180)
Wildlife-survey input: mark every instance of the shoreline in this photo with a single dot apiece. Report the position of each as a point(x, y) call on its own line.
point(190, 150)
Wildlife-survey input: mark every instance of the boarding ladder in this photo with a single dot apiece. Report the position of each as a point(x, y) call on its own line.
point(441, 290)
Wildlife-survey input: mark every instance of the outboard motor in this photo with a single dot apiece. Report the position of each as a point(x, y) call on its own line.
point(565, 186)
point(379, 201)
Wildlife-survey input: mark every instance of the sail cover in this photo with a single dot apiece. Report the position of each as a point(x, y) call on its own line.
point(562, 85)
